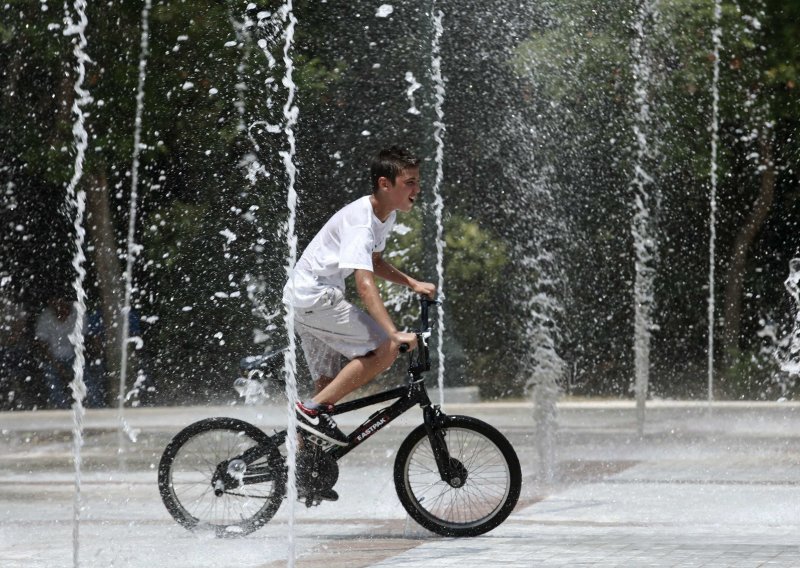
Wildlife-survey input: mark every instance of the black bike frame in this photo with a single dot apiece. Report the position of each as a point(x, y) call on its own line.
point(407, 397)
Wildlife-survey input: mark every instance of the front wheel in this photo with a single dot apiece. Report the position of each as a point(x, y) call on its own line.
point(483, 490)
point(223, 475)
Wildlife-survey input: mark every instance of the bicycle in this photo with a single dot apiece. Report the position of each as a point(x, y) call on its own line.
point(454, 475)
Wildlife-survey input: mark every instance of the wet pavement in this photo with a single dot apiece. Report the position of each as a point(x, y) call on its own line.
point(718, 487)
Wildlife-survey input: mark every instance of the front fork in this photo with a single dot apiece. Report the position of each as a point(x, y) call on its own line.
point(451, 470)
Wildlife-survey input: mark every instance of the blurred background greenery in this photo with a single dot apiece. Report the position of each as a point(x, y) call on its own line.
point(538, 163)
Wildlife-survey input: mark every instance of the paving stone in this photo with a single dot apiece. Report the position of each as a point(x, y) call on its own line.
point(700, 489)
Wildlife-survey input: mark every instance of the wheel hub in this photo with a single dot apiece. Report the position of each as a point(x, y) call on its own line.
point(458, 474)
point(229, 475)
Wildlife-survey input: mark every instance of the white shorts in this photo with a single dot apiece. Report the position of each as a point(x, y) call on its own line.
point(333, 329)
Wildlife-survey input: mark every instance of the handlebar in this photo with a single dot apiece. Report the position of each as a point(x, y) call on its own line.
point(424, 303)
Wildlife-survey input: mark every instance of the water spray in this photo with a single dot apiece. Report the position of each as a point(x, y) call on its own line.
point(290, 113)
point(645, 245)
point(438, 203)
point(716, 37)
point(132, 249)
point(77, 201)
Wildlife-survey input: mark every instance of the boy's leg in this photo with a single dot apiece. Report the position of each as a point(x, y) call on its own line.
point(333, 328)
point(324, 363)
point(321, 383)
point(357, 373)
point(330, 329)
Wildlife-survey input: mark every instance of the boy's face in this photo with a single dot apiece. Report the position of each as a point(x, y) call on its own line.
point(403, 192)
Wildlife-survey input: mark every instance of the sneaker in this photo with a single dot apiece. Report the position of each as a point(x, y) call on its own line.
point(320, 423)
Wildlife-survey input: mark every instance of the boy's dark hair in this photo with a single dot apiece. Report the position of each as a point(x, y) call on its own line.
point(389, 162)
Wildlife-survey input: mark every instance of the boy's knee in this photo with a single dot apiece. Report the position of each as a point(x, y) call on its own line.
point(388, 352)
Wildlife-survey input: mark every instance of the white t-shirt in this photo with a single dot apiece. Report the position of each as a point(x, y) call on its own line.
point(344, 244)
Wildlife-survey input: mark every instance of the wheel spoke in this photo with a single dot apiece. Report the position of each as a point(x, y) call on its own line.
point(485, 490)
point(187, 471)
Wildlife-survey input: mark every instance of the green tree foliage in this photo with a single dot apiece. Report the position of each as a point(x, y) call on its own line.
point(538, 163)
point(578, 63)
point(476, 264)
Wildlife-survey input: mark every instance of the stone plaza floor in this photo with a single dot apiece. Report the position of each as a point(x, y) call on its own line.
point(705, 486)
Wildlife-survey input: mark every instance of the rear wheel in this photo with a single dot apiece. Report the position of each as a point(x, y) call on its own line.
point(206, 485)
point(483, 486)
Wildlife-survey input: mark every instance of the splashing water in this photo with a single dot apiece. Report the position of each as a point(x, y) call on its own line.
point(642, 230)
point(290, 112)
point(716, 36)
point(243, 40)
point(253, 391)
point(77, 201)
point(413, 85)
point(132, 249)
point(785, 349)
point(546, 365)
point(384, 10)
point(791, 363)
point(540, 286)
point(438, 203)
point(272, 25)
point(543, 309)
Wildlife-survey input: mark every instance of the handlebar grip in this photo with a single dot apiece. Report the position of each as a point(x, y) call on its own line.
point(404, 347)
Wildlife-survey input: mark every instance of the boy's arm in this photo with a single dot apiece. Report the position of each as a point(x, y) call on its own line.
point(368, 291)
point(385, 270)
point(365, 284)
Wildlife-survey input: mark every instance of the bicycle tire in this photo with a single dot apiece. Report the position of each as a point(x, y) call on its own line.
point(188, 466)
point(489, 493)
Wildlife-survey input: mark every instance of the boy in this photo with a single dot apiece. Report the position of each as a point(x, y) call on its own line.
point(351, 242)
